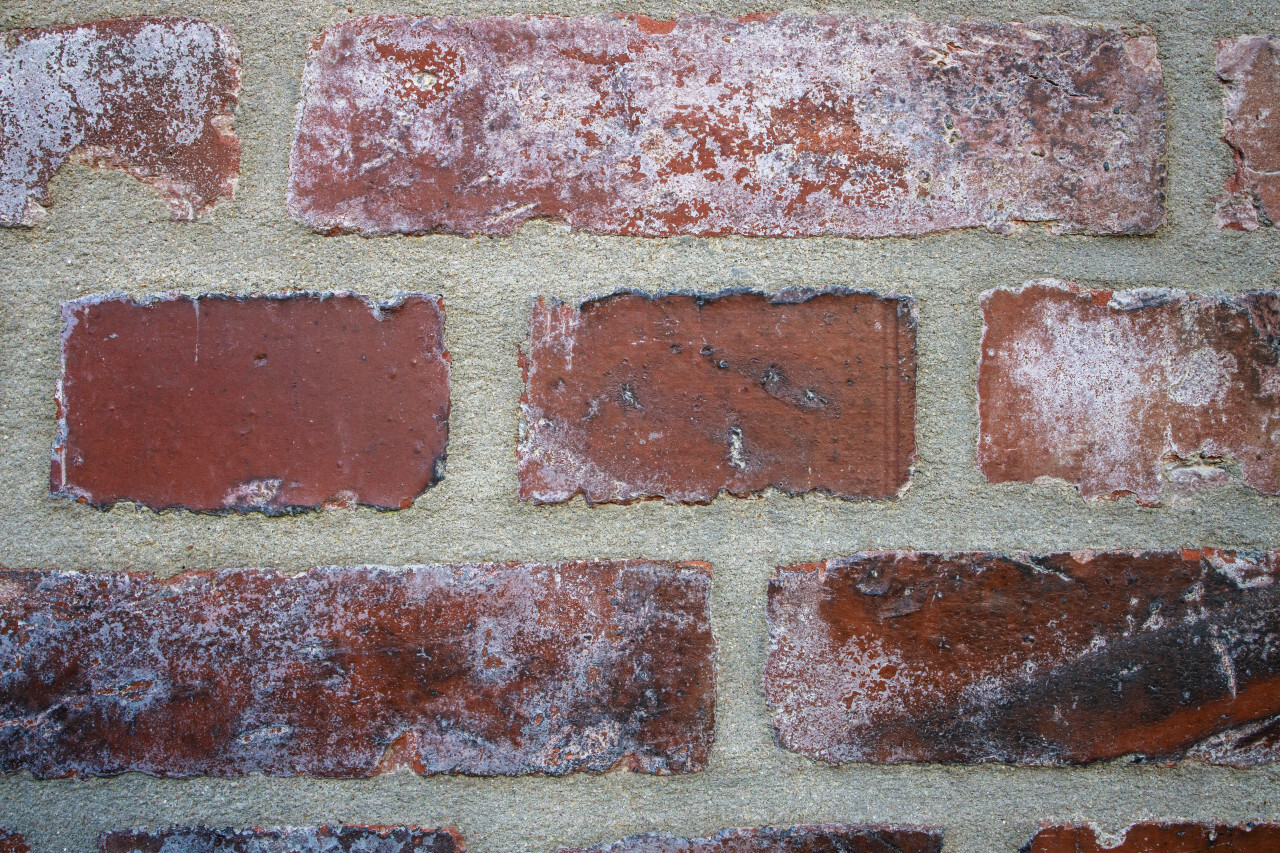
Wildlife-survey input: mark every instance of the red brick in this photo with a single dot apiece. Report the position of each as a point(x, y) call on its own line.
point(1249, 67)
point(272, 403)
point(764, 125)
point(1159, 838)
point(13, 842)
point(827, 838)
point(1127, 392)
point(153, 96)
point(316, 839)
point(683, 397)
point(349, 672)
point(895, 657)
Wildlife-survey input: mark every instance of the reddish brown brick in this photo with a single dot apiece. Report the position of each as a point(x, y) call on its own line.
point(1126, 392)
point(683, 397)
point(826, 838)
point(764, 125)
point(1249, 67)
point(895, 657)
point(349, 672)
point(153, 96)
point(316, 839)
point(13, 842)
point(1159, 838)
point(276, 404)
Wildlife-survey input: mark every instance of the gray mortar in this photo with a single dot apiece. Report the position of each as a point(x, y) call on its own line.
point(107, 231)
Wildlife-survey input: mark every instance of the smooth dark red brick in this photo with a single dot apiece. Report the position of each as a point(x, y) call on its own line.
point(893, 657)
point(1159, 838)
point(1249, 67)
point(824, 838)
point(766, 125)
point(683, 397)
point(1129, 392)
point(271, 403)
point(349, 672)
point(13, 842)
point(316, 839)
point(153, 96)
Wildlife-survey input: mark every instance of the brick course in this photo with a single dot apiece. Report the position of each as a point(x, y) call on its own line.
point(486, 670)
point(1162, 837)
point(220, 403)
point(153, 96)
point(825, 838)
point(693, 126)
point(683, 397)
point(1050, 660)
point(319, 839)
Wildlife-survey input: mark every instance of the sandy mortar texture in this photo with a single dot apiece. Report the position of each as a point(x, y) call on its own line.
point(108, 232)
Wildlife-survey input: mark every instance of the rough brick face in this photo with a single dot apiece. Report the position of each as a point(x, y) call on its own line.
point(153, 96)
point(1159, 838)
point(1061, 659)
point(1126, 392)
point(1249, 67)
point(485, 670)
point(319, 839)
point(258, 403)
point(828, 838)
point(13, 842)
point(765, 125)
point(683, 397)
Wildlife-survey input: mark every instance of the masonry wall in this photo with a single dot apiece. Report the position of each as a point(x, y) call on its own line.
point(106, 232)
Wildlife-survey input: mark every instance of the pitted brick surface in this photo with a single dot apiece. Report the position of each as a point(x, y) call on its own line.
point(349, 672)
point(1159, 838)
point(826, 838)
point(220, 403)
point(1127, 392)
point(153, 96)
point(320, 839)
point(765, 125)
point(683, 397)
point(893, 657)
point(1249, 67)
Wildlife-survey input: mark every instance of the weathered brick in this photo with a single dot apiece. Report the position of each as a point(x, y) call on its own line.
point(1124, 392)
point(13, 842)
point(764, 125)
point(1063, 659)
point(350, 672)
point(153, 96)
point(317, 839)
point(271, 403)
point(1159, 838)
point(1249, 67)
point(826, 838)
point(682, 397)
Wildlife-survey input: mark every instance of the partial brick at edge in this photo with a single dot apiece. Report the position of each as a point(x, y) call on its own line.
point(1129, 392)
point(1162, 837)
point(764, 126)
point(682, 397)
point(271, 403)
point(892, 657)
point(822, 838)
point(152, 95)
point(349, 672)
point(1249, 68)
point(319, 839)
point(13, 842)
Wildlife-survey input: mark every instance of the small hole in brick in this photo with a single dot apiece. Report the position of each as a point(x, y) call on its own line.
point(425, 79)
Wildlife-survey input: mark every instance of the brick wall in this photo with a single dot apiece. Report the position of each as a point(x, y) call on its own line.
point(742, 432)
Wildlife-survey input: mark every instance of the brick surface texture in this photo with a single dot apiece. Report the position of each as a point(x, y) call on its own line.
point(790, 839)
point(153, 96)
point(684, 397)
point(1249, 67)
point(1060, 659)
point(319, 839)
point(1128, 392)
point(699, 126)
point(13, 842)
point(1159, 838)
point(257, 403)
point(485, 670)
